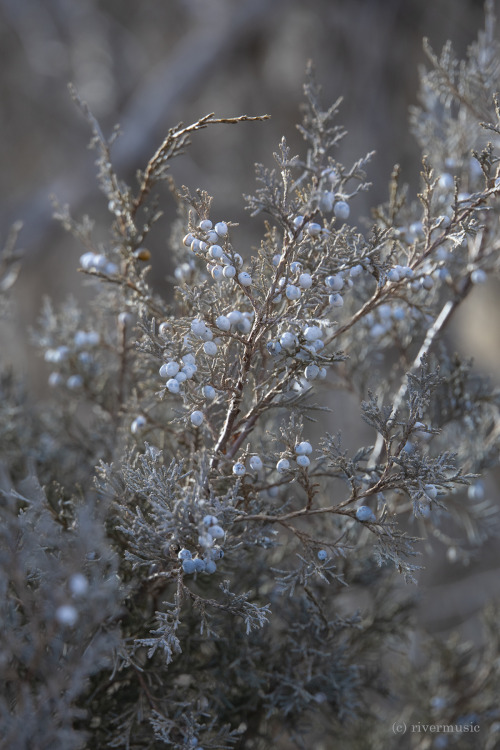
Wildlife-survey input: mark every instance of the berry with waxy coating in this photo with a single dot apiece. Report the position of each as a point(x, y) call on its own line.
point(283, 465)
point(341, 210)
point(244, 278)
point(364, 513)
point(256, 463)
point(304, 448)
point(239, 469)
point(197, 418)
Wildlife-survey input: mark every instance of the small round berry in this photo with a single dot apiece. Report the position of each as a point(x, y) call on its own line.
point(311, 333)
point(221, 228)
point(199, 327)
point(335, 282)
point(332, 175)
point(276, 260)
point(326, 201)
point(189, 370)
point(205, 225)
point(313, 229)
point(303, 461)
point(322, 373)
point(322, 554)
point(398, 313)
point(138, 425)
point(406, 271)
point(88, 261)
point(336, 300)
point(274, 348)
point(66, 614)
point(212, 237)
point(209, 391)
point(427, 282)
point(356, 271)
point(478, 276)
point(210, 567)
point(55, 379)
point(180, 378)
point(142, 253)
point(216, 532)
point(283, 465)
point(188, 239)
point(292, 292)
point(80, 339)
point(235, 317)
point(244, 326)
point(184, 554)
point(288, 340)
point(305, 280)
point(244, 278)
point(476, 491)
point(125, 319)
point(341, 210)
point(210, 348)
point(85, 358)
point(364, 513)
point(304, 448)
point(163, 329)
point(217, 273)
point(56, 355)
point(197, 418)
point(189, 566)
point(229, 272)
point(210, 520)
point(74, 382)
point(188, 359)
point(205, 541)
point(78, 584)
point(256, 463)
point(393, 274)
point(199, 565)
point(216, 252)
point(298, 221)
point(311, 372)
point(223, 323)
point(377, 330)
point(239, 469)
point(173, 385)
point(446, 181)
point(169, 369)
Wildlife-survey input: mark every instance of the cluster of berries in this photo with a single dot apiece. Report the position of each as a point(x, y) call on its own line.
point(210, 534)
point(302, 452)
point(221, 264)
point(78, 357)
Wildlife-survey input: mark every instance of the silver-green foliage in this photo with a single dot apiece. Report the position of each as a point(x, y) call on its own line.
point(245, 637)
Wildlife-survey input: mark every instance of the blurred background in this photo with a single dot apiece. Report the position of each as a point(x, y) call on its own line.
point(150, 64)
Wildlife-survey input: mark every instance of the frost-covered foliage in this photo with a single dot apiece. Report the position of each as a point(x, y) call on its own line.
point(178, 539)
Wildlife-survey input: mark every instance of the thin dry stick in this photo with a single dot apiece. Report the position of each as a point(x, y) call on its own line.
point(441, 321)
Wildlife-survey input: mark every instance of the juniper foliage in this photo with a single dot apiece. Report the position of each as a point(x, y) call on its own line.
point(163, 512)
